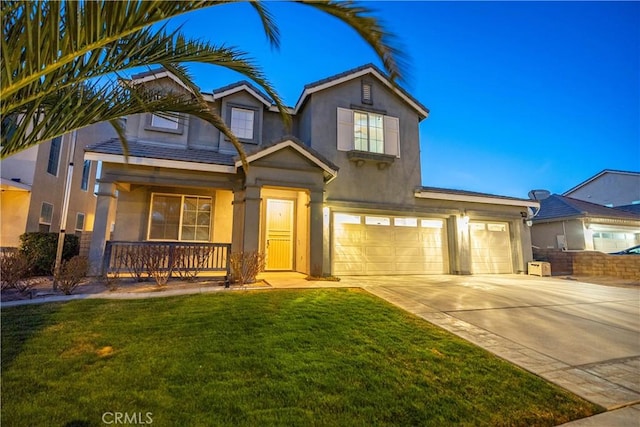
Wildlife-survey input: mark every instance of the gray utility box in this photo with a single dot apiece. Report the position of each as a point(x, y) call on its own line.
point(537, 268)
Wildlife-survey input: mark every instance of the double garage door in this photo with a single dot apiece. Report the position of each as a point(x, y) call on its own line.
point(370, 244)
point(374, 244)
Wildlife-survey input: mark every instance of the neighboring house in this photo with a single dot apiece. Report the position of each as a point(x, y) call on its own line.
point(338, 193)
point(33, 182)
point(610, 188)
point(567, 223)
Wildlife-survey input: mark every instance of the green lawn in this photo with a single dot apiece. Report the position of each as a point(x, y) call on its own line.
point(299, 357)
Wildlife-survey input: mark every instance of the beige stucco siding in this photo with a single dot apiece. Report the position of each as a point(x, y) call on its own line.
point(14, 206)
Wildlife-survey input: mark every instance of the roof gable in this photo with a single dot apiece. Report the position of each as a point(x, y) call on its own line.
point(239, 87)
point(368, 69)
point(330, 170)
point(598, 176)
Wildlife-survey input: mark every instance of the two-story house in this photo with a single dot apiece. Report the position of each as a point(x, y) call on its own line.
point(34, 182)
point(337, 193)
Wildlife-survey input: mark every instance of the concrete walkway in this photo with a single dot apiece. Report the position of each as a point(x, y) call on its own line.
point(580, 336)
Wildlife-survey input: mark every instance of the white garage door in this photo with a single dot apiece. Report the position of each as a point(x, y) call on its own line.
point(612, 241)
point(370, 244)
point(490, 248)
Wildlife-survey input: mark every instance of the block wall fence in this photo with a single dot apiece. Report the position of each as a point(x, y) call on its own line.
point(590, 263)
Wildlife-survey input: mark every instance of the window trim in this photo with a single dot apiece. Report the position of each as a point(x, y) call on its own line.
point(86, 175)
point(179, 130)
point(58, 140)
point(345, 126)
point(84, 217)
point(180, 224)
point(369, 128)
point(40, 221)
point(257, 121)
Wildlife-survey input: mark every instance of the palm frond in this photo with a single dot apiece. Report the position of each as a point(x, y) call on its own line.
point(370, 28)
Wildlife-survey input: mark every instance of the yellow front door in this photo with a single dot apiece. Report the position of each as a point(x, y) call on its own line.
point(279, 235)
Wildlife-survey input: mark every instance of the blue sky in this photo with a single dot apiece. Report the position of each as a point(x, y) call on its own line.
point(522, 95)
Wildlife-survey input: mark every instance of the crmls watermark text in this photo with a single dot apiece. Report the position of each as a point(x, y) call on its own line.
point(123, 418)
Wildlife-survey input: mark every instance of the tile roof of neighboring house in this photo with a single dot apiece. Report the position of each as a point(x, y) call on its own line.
point(158, 151)
point(556, 207)
point(630, 208)
point(469, 193)
point(598, 175)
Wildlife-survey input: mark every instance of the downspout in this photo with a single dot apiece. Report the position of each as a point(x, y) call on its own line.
point(65, 208)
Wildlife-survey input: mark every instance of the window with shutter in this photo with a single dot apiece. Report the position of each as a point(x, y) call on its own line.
point(366, 131)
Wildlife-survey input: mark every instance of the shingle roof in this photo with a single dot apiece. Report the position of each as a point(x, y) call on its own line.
point(629, 208)
point(556, 206)
point(469, 193)
point(239, 84)
point(156, 151)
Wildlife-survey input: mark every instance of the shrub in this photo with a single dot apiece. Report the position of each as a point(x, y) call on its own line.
point(71, 274)
point(40, 249)
point(189, 261)
point(245, 266)
point(159, 263)
point(14, 271)
point(135, 260)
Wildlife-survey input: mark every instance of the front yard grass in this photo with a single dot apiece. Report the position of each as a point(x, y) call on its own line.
point(285, 357)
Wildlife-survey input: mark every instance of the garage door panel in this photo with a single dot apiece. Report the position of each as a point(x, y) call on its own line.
point(406, 235)
point(416, 252)
point(379, 235)
point(389, 245)
point(490, 248)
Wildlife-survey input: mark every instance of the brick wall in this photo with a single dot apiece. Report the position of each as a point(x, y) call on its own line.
point(590, 263)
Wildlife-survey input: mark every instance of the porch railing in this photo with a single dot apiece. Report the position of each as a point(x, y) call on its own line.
point(123, 257)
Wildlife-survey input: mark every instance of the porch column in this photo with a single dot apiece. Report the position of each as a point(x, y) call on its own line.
point(459, 244)
point(105, 207)
point(316, 225)
point(246, 219)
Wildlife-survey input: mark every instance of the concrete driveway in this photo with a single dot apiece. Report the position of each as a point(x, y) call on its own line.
point(581, 336)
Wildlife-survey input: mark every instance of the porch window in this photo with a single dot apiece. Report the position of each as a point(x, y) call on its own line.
point(180, 217)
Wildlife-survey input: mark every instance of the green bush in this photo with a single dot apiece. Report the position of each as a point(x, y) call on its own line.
point(40, 249)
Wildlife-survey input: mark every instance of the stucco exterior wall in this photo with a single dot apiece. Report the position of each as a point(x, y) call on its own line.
point(14, 206)
point(545, 235)
point(613, 188)
point(394, 184)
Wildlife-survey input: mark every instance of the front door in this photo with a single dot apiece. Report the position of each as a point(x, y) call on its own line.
point(279, 235)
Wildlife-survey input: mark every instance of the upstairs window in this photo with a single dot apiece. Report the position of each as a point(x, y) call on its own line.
point(54, 156)
point(242, 121)
point(368, 131)
point(164, 122)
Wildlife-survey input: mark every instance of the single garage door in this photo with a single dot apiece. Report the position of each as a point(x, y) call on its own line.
point(612, 242)
point(490, 247)
point(375, 244)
